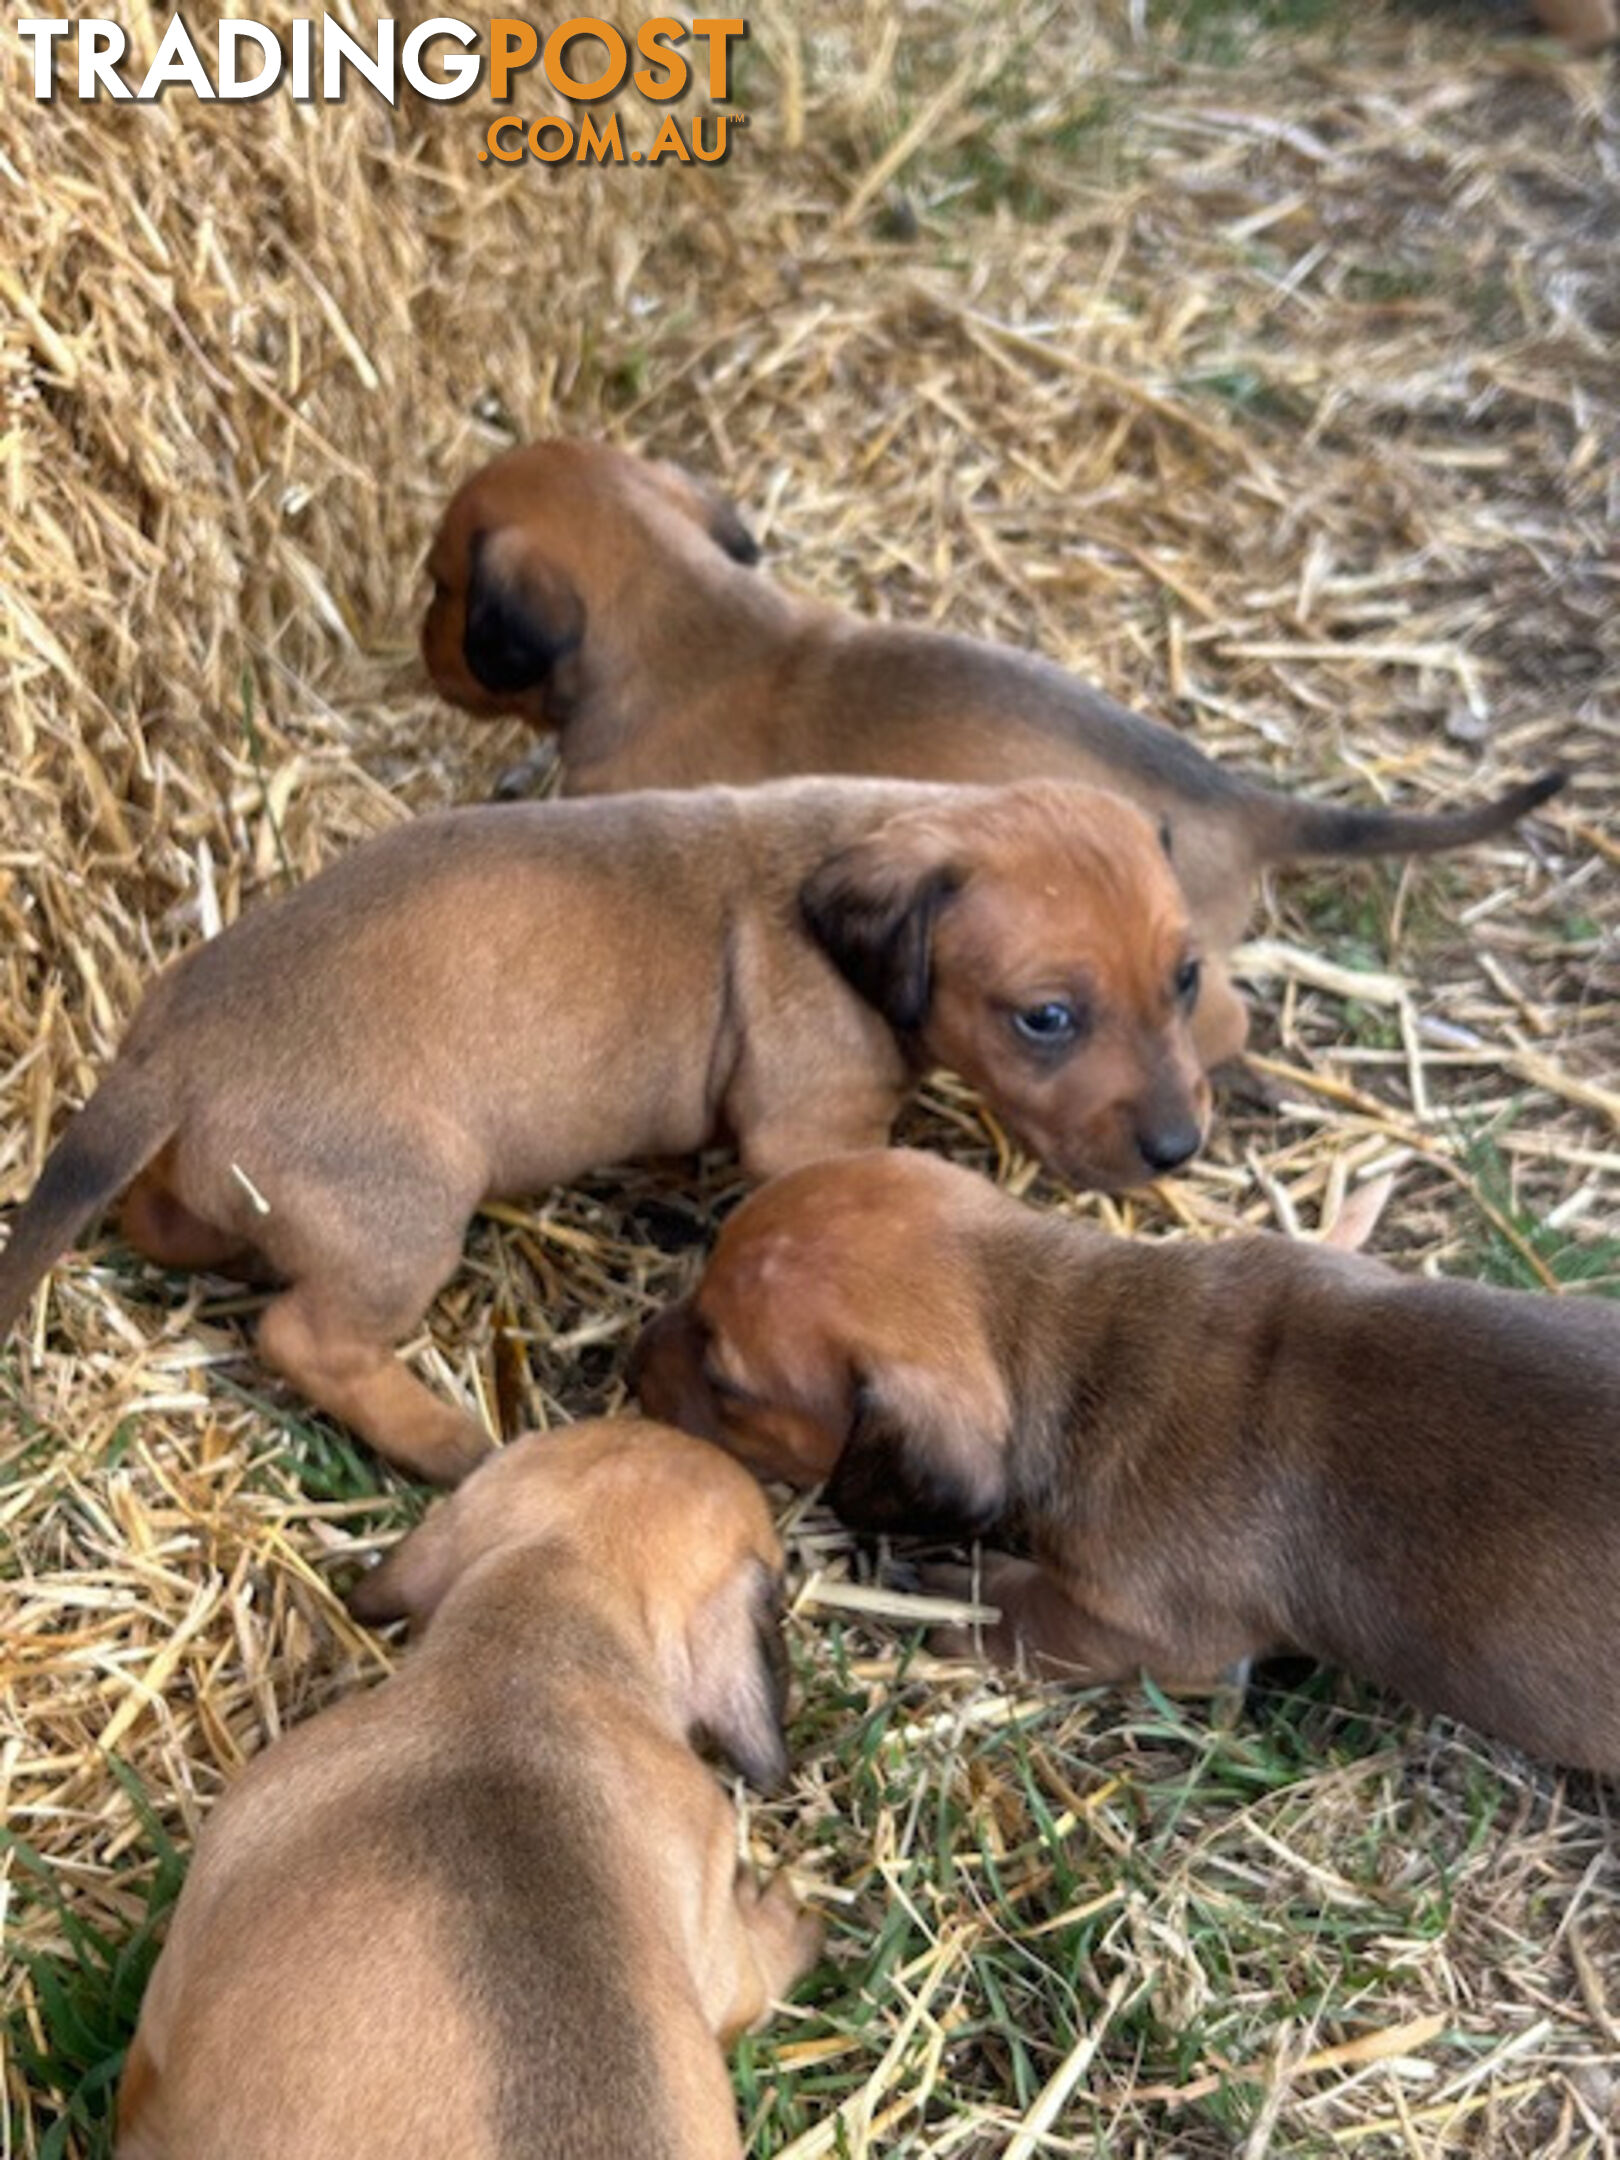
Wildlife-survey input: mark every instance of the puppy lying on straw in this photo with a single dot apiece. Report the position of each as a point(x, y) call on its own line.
point(613, 600)
point(1208, 1452)
point(492, 1001)
point(493, 1907)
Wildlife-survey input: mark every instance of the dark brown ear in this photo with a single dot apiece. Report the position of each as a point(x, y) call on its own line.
point(716, 513)
point(666, 1371)
point(523, 617)
point(874, 915)
point(727, 530)
point(921, 1463)
point(410, 1581)
point(738, 1691)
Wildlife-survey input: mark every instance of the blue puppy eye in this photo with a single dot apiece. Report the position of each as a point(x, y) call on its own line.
point(1188, 976)
point(1048, 1024)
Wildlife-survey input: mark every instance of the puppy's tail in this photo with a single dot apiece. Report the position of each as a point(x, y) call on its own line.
point(114, 1136)
point(1295, 828)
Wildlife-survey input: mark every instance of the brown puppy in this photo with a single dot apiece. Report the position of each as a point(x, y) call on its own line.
point(1209, 1451)
point(612, 600)
point(494, 1906)
point(493, 1001)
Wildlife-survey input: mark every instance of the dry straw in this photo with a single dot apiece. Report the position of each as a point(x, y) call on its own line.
point(1257, 361)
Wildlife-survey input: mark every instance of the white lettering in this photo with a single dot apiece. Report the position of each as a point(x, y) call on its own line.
point(102, 44)
point(303, 38)
point(231, 84)
point(462, 68)
point(176, 60)
point(337, 46)
point(42, 31)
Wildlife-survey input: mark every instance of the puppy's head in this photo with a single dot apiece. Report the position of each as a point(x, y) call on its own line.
point(673, 1533)
point(538, 551)
point(841, 1332)
point(1034, 939)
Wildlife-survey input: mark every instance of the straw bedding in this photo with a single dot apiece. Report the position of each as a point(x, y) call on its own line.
point(1257, 361)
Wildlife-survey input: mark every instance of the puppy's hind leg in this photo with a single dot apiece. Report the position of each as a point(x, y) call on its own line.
point(339, 1351)
point(154, 1219)
point(364, 1247)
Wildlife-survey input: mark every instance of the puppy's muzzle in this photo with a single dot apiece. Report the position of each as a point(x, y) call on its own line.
point(1167, 1147)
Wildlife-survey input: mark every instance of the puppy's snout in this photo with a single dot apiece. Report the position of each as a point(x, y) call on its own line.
point(1167, 1147)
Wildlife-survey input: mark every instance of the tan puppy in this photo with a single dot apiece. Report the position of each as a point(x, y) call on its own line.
point(610, 599)
point(494, 1905)
point(1208, 1451)
point(493, 1001)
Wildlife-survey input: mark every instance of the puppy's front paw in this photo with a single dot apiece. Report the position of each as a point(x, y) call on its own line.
point(801, 1932)
point(787, 1936)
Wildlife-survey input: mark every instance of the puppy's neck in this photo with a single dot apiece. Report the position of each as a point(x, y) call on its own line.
point(666, 663)
point(1137, 1366)
point(538, 1622)
point(1074, 1325)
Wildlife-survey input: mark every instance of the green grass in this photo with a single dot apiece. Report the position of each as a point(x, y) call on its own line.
point(1190, 1884)
point(1247, 391)
point(1025, 160)
point(325, 1463)
point(35, 1444)
point(1032, 140)
point(1223, 1882)
point(1580, 930)
point(1387, 284)
point(1349, 914)
point(626, 378)
point(1508, 1233)
point(1223, 32)
point(88, 1991)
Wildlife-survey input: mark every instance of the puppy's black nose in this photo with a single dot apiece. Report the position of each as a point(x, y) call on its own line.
point(1169, 1146)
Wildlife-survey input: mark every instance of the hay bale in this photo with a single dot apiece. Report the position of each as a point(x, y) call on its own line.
point(1257, 361)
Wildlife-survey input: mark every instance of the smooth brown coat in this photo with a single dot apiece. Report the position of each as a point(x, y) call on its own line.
point(613, 600)
point(494, 1907)
point(489, 1002)
point(1208, 1452)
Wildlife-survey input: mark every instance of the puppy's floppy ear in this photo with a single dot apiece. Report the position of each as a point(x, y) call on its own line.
point(737, 1696)
point(923, 1458)
point(872, 908)
point(523, 616)
point(666, 1371)
point(727, 530)
point(716, 513)
point(410, 1581)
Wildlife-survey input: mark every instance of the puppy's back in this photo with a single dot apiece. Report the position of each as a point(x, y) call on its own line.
point(444, 1969)
point(1442, 1468)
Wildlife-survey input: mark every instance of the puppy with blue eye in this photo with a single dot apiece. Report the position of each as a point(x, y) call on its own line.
point(613, 602)
point(493, 1001)
point(1197, 1453)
